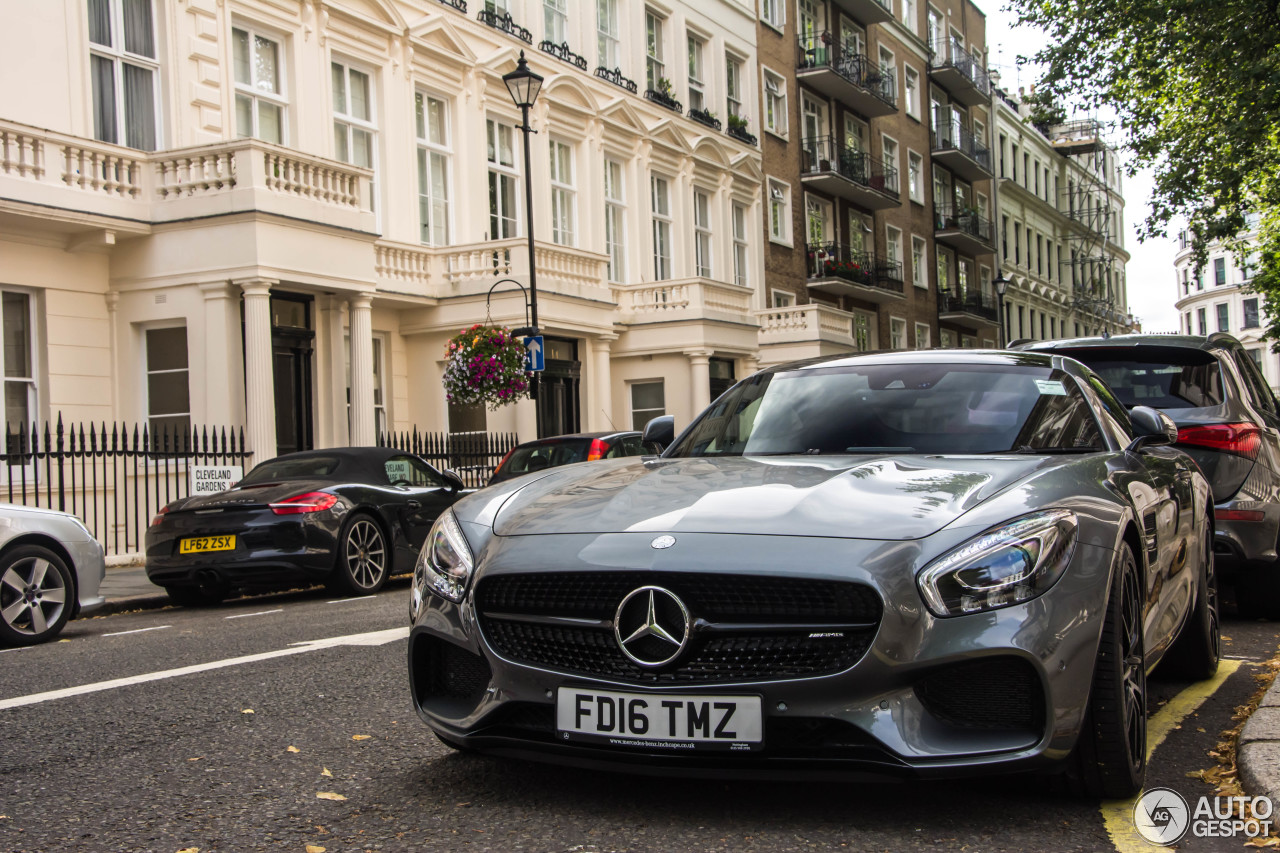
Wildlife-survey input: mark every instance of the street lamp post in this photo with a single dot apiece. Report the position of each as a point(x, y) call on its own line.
point(1001, 284)
point(524, 87)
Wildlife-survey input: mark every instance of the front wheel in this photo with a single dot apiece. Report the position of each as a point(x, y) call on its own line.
point(36, 594)
point(1110, 758)
point(362, 559)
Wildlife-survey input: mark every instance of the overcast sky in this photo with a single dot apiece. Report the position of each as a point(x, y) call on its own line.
point(1150, 269)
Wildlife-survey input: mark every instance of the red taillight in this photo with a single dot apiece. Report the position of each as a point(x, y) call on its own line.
point(159, 516)
point(1240, 439)
point(505, 457)
point(1238, 515)
point(310, 502)
point(597, 451)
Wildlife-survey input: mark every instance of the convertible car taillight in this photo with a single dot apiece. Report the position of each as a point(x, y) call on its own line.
point(309, 502)
point(159, 516)
point(1240, 439)
point(597, 451)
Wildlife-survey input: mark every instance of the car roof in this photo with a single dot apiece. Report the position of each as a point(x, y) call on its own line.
point(577, 436)
point(1210, 343)
point(927, 356)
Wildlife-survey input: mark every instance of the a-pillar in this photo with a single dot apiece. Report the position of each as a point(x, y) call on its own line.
point(259, 374)
point(362, 421)
point(699, 380)
point(602, 403)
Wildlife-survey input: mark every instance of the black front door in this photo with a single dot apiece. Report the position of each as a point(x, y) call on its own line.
point(292, 347)
point(559, 407)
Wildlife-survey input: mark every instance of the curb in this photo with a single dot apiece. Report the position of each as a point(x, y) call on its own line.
point(120, 605)
point(1258, 748)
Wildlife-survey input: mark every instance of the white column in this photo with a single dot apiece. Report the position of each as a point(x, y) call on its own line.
point(699, 380)
point(117, 369)
point(222, 364)
point(362, 370)
point(259, 374)
point(602, 400)
point(331, 380)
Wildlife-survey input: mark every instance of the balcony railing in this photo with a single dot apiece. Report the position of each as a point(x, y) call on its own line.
point(564, 54)
point(504, 23)
point(803, 323)
point(825, 154)
point(662, 301)
point(948, 217)
point(974, 302)
point(704, 117)
point(460, 5)
point(889, 271)
point(740, 133)
point(833, 260)
point(658, 96)
point(614, 76)
point(951, 136)
point(949, 53)
point(822, 51)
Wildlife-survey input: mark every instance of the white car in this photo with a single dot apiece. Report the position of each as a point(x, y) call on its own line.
point(50, 570)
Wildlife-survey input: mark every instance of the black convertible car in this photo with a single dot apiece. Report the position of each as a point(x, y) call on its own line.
point(346, 516)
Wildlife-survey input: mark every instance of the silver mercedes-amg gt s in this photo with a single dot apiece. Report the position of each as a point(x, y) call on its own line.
point(917, 563)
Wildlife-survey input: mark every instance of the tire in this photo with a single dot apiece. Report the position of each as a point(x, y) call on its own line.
point(1110, 758)
point(362, 563)
point(37, 595)
point(195, 596)
point(1195, 653)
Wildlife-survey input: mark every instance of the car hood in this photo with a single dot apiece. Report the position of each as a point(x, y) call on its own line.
point(250, 496)
point(884, 497)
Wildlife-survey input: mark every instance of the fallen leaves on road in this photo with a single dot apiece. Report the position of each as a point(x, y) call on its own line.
point(247, 711)
point(315, 848)
point(325, 772)
point(329, 795)
point(292, 749)
point(189, 850)
point(197, 758)
point(361, 737)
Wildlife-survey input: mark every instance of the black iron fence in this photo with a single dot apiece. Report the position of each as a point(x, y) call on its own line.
point(113, 477)
point(473, 455)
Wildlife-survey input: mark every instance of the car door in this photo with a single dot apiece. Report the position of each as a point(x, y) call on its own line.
point(424, 495)
point(1262, 401)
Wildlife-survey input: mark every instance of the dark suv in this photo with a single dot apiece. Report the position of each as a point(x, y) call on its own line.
point(1227, 421)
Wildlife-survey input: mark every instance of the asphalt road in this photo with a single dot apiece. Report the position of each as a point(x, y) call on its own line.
point(266, 711)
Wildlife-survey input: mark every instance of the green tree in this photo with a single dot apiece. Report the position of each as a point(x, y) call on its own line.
point(1195, 85)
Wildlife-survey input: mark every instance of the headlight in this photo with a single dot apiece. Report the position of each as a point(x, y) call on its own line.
point(444, 564)
point(1005, 566)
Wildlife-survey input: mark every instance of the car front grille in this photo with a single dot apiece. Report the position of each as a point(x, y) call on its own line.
point(764, 628)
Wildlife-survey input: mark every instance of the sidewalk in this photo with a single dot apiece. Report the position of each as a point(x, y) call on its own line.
point(127, 588)
point(1258, 750)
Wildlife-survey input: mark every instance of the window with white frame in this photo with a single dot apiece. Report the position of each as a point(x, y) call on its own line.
point(779, 211)
point(889, 68)
point(503, 216)
point(260, 99)
point(563, 196)
point(733, 87)
point(897, 333)
point(909, 17)
point(168, 380)
point(741, 247)
point(702, 233)
point(911, 91)
point(555, 19)
point(354, 130)
point(607, 33)
point(655, 68)
point(498, 7)
point(889, 153)
point(660, 200)
point(124, 72)
point(17, 359)
point(697, 79)
point(893, 244)
point(863, 339)
point(915, 176)
point(648, 401)
point(964, 276)
point(615, 209)
point(943, 269)
point(775, 103)
point(434, 159)
point(781, 299)
point(379, 384)
point(922, 336)
point(772, 13)
point(919, 254)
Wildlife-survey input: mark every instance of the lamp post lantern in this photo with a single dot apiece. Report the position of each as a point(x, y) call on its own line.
point(1001, 284)
point(524, 86)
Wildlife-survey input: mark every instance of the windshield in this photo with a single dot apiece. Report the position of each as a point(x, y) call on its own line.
point(897, 408)
point(305, 468)
point(1162, 377)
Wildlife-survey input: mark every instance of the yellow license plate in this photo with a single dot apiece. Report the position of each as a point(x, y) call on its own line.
point(201, 544)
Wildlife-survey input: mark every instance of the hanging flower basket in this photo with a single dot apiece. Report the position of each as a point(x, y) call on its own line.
point(485, 364)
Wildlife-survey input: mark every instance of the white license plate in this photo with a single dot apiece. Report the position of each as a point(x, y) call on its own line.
point(676, 721)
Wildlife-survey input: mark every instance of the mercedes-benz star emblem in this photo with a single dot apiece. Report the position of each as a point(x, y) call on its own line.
point(652, 626)
point(663, 542)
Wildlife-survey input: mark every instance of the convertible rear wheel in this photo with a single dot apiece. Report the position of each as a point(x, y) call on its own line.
point(1110, 758)
point(362, 557)
point(1195, 654)
point(36, 594)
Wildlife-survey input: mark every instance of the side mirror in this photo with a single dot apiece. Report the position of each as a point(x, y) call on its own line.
point(1150, 427)
point(661, 430)
point(451, 477)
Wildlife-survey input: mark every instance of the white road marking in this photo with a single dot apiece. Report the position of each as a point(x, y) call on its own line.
point(259, 613)
point(18, 649)
point(373, 638)
point(138, 631)
point(345, 600)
